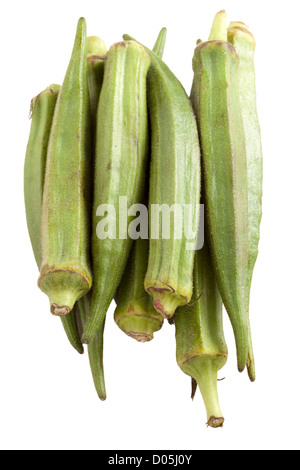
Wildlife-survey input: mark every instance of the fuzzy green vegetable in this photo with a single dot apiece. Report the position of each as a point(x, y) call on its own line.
point(174, 182)
point(201, 349)
point(120, 169)
point(243, 41)
point(65, 272)
point(42, 110)
point(215, 98)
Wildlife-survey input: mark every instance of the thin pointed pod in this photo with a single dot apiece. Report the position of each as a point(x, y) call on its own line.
point(95, 348)
point(160, 43)
point(174, 186)
point(243, 41)
point(42, 110)
point(65, 272)
point(120, 171)
point(215, 99)
point(201, 349)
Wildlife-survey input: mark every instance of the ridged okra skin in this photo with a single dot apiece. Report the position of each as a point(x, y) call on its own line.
point(42, 110)
point(120, 169)
point(201, 349)
point(215, 98)
point(135, 314)
point(243, 41)
point(65, 273)
point(96, 51)
point(174, 183)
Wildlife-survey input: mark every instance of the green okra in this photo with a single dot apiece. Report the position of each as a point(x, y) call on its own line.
point(243, 41)
point(42, 110)
point(96, 51)
point(65, 272)
point(95, 348)
point(120, 170)
point(215, 98)
point(160, 42)
point(174, 186)
point(201, 349)
point(135, 314)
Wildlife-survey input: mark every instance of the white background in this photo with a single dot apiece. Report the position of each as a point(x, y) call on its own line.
point(47, 398)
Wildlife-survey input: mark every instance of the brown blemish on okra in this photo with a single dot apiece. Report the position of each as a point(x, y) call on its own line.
point(215, 422)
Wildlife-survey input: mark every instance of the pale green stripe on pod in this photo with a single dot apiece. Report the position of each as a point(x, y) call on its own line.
point(135, 314)
point(42, 110)
point(215, 98)
point(95, 348)
point(65, 273)
point(120, 169)
point(174, 185)
point(201, 349)
point(243, 41)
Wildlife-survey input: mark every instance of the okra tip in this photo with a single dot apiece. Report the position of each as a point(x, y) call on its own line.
point(95, 47)
point(219, 27)
point(52, 89)
point(140, 327)
point(63, 288)
point(166, 301)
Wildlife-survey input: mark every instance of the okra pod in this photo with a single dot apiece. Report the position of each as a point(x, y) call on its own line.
point(65, 272)
point(120, 169)
point(174, 186)
point(243, 41)
point(95, 348)
point(215, 98)
point(135, 314)
point(96, 51)
point(160, 42)
point(42, 110)
point(201, 349)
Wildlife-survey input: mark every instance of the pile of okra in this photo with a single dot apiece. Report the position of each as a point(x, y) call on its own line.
point(121, 138)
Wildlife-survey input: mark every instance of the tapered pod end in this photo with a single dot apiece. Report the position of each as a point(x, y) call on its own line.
point(204, 369)
point(166, 301)
point(159, 45)
point(95, 47)
point(137, 324)
point(219, 27)
point(63, 288)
